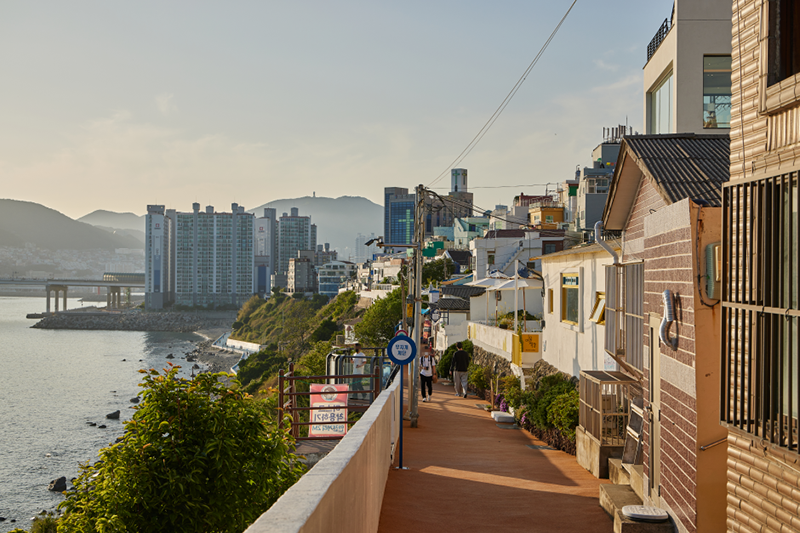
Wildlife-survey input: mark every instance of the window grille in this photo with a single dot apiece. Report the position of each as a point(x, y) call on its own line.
point(624, 313)
point(760, 311)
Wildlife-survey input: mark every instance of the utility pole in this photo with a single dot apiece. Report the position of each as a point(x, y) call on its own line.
point(419, 230)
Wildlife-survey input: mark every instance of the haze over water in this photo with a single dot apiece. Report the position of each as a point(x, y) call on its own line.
point(52, 383)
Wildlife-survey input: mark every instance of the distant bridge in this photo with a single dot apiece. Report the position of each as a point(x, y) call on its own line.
point(113, 281)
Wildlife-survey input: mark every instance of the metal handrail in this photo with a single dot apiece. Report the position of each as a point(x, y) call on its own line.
point(715, 443)
point(658, 38)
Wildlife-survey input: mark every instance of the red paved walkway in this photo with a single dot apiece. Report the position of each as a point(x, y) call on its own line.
point(466, 474)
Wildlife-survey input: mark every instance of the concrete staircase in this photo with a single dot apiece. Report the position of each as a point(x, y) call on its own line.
point(627, 490)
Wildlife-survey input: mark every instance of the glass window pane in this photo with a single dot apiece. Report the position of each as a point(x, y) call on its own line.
point(716, 92)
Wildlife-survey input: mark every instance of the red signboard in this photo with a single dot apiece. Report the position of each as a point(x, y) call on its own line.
point(330, 405)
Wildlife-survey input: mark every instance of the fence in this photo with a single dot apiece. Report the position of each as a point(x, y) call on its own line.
point(605, 405)
point(288, 396)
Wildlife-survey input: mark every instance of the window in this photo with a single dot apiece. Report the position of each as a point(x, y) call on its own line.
point(716, 92)
point(599, 309)
point(761, 308)
point(590, 186)
point(550, 301)
point(624, 313)
point(570, 298)
point(660, 104)
point(784, 40)
point(548, 219)
point(550, 247)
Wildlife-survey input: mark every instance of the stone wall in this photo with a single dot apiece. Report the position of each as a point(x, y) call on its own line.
point(497, 364)
point(133, 321)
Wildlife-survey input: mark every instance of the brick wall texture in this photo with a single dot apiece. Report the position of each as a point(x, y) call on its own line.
point(668, 265)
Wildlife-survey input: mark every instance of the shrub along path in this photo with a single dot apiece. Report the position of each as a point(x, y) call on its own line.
point(467, 474)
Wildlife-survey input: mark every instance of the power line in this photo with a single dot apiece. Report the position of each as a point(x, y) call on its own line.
point(495, 186)
point(489, 123)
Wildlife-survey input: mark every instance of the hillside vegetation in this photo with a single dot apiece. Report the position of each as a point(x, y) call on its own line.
point(291, 328)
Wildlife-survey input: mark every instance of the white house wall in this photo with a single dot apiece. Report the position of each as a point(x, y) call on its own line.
point(572, 348)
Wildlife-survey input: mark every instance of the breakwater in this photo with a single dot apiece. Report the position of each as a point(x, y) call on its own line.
point(137, 321)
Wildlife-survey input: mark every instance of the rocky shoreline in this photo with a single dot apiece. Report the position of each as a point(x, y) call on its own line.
point(136, 321)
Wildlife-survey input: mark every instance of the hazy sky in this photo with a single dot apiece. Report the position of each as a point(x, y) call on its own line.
point(114, 105)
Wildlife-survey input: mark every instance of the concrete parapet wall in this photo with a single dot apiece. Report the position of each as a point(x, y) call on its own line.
point(344, 491)
point(250, 347)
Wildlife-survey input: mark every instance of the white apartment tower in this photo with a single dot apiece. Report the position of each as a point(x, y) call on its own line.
point(199, 259)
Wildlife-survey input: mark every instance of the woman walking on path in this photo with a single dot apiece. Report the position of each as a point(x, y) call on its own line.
point(426, 370)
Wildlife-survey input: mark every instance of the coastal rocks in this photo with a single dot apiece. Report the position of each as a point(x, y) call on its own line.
point(58, 485)
point(135, 400)
point(135, 321)
point(93, 424)
point(101, 426)
point(113, 416)
point(170, 356)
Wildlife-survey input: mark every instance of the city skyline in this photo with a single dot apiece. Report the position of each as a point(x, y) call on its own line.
point(115, 107)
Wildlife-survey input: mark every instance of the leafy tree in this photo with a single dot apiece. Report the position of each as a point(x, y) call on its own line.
point(438, 270)
point(198, 456)
point(377, 326)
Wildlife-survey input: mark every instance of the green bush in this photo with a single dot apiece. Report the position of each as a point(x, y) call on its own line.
point(443, 367)
point(510, 388)
point(563, 413)
point(198, 456)
point(479, 377)
point(268, 361)
point(550, 387)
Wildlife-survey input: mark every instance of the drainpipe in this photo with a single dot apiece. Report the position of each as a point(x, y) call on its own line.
point(598, 238)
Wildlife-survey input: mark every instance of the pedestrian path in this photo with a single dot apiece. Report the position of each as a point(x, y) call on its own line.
point(466, 474)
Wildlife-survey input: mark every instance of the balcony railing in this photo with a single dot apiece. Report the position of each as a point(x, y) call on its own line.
point(661, 34)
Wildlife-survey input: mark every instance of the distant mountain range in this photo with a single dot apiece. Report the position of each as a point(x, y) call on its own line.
point(24, 223)
point(338, 220)
point(111, 219)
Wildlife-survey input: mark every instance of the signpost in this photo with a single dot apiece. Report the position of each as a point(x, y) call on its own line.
point(327, 407)
point(402, 351)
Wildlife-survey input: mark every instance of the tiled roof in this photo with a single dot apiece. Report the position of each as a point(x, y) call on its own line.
point(682, 165)
point(462, 257)
point(462, 291)
point(508, 233)
point(685, 165)
point(453, 304)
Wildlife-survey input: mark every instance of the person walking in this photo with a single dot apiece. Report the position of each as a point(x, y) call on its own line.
point(459, 368)
point(426, 371)
point(359, 366)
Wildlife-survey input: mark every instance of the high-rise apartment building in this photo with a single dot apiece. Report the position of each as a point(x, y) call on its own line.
point(157, 254)
point(398, 220)
point(295, 233)
point(207, 258)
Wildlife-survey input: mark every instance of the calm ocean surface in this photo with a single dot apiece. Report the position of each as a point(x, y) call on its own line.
point(52, 383)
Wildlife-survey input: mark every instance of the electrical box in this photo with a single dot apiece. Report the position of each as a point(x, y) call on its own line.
point(714, 270)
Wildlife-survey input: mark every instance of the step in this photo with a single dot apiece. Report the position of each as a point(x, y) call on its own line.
point(614, 497)
point(636, 473)
point(502, 417)
point(623, 524)
point(617, 474)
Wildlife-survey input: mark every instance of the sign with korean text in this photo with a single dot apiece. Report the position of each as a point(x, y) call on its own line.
point(401, 350)
point(328, 410)
point(530, 342)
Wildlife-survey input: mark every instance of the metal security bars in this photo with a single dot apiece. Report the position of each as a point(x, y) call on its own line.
point(625, 313)
point(760, 292)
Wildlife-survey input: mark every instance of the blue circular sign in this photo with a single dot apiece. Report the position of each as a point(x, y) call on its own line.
point(401, 350)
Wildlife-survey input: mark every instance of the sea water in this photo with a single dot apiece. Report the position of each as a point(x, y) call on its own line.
point(53, 383)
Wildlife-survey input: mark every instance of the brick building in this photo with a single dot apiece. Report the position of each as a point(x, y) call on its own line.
point(760, 290)
point(665, 200)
